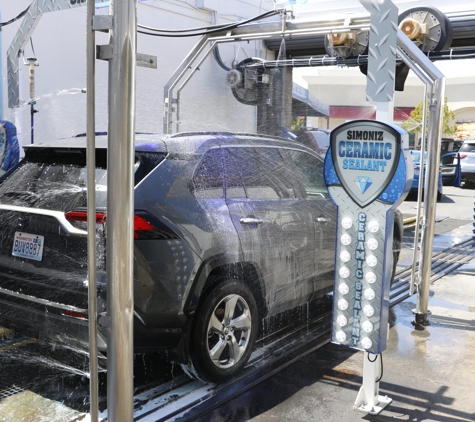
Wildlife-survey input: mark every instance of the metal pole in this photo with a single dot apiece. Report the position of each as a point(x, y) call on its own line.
point(415, 255)
point(436, 108)
point(91, 211)
point(429, 73)
point(120, 209)
point(385, 111)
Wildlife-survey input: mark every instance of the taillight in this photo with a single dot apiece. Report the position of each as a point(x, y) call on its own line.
point(73, 314)
point(462, 156)
point(146, 226)
point(79, 218)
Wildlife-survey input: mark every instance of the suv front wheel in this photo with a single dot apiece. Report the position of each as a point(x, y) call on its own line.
point(224, 331)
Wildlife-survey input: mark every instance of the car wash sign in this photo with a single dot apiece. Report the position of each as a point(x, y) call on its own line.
point(368, 175)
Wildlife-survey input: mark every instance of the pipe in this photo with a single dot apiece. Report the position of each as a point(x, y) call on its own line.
point(91, 211)
point(430, 203)
point(415, 255)
point(120, 209)
point(177, 75)
point(410, 53)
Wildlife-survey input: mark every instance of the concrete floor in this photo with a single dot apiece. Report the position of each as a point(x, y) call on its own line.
point(429, 374)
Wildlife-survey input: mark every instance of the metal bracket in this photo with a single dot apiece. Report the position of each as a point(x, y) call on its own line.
point(104, 52)
point(368, 399)
point(102, 23)
point(104, 321)
point(146, 60)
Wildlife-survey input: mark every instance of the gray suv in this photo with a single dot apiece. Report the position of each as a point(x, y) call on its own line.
point(229, 229)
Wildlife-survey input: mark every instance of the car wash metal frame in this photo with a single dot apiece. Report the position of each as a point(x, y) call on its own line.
point(122, 57)
point(284, 28)
point(407, 51)
point(435, 83)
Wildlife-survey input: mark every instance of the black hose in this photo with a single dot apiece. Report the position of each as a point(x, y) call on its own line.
point(15, 18)
point(208, 30)
point(218, 59)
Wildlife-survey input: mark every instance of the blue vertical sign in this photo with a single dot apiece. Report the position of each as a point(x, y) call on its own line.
point(368, 174)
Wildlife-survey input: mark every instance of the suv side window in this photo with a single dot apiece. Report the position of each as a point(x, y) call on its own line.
point(207, 181)
point(263, 173)
point(233, 181)
point(274, 168)
point(310, 169)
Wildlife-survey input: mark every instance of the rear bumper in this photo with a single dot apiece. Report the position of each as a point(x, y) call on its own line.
point(36, 320)
point(43, 323)
point(468, 174)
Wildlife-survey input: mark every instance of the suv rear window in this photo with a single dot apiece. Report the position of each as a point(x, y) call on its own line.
point(467, 147)
point(56, 178)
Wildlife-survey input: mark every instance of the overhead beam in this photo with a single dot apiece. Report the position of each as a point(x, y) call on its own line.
point(463, 26)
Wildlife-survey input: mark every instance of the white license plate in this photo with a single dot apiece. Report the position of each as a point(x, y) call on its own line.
point(30, 246)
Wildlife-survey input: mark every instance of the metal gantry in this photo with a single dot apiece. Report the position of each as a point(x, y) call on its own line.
point(122, 56)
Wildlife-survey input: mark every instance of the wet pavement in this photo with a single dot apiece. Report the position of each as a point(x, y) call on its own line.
point(429, 374)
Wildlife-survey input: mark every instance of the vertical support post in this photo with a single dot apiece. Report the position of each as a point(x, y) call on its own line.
point(385, 111)
point(286, 118)
point(429, 74)
point(91, 211)
point(120, 203)
point(416, 280)
point(368, 399)
point(380, 88)
point(436, 109)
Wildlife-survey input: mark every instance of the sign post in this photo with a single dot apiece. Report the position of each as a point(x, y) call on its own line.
point(368, 175)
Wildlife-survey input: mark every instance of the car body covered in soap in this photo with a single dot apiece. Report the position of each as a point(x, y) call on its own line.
point(228, 229)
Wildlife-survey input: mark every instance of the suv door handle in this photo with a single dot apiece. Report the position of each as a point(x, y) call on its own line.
point(250, 220)
point(323, 219)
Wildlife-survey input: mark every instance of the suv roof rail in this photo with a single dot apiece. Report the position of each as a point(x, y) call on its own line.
point(253, 135)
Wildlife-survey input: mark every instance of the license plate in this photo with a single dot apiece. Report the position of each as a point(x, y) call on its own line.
point(30, 246)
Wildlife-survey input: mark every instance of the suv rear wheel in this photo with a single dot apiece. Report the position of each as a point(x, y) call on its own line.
point(224, 331)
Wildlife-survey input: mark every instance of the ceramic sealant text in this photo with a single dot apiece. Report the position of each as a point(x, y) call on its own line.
point(366, 173)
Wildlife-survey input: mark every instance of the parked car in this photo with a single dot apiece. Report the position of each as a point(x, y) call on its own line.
point(447, 146)
point(317, 139)
point(467, 160)
point(416, 159)
point(451, 172)
point(228, 229)
point(449, 165)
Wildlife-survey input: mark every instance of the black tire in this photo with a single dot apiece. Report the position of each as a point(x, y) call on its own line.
point(225, 324)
